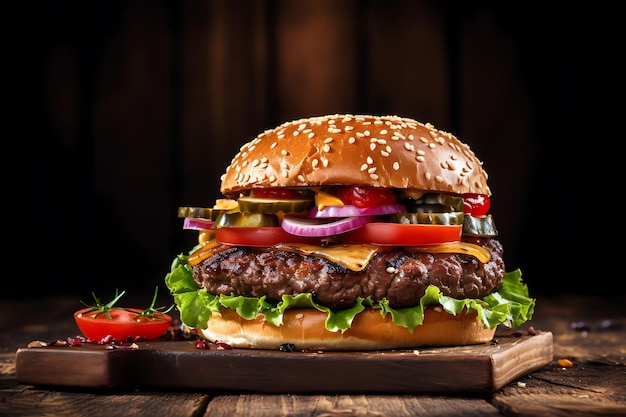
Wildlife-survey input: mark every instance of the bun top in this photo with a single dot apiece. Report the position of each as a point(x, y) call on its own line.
point(381, 151)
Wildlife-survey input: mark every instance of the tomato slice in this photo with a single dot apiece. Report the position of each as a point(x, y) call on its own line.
point(258, 236)
point(365, 196)
point(124, 324)
point(396, 234)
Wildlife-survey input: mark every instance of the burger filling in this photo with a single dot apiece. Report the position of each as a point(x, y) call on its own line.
point(397, 275)
point(343, 249)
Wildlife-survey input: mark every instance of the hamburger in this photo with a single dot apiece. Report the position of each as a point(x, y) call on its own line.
point(348, 232)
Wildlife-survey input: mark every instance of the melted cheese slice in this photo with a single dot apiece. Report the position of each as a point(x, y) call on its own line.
point(478, 252)
point(353, 256)
point(323, 199)
point(207, 250)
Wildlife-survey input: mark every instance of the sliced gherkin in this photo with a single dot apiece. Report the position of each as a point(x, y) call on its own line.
point(271, 205)
point(479, 226)
point(428, 218)
point(435, 203)
point(246, 220)
point(200, 212)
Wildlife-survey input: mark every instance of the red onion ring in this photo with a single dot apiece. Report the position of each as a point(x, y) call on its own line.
point(197, 223)
point(353, 211)
point(318, 228)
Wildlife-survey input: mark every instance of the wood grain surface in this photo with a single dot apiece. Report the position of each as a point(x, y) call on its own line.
point(474, 369)
point(590, 332)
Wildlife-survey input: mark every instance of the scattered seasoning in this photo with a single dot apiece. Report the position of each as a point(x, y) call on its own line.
point(290, 347)
point(287, 347)
point(222, 346)
point(565, 363)
point(521, 384)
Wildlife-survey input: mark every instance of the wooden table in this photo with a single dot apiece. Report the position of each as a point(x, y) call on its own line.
point(588, 332)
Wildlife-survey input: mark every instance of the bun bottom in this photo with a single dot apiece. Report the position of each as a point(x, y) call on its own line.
point(305, 329)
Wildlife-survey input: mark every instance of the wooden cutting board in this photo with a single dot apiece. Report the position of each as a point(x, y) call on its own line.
point(179, 365)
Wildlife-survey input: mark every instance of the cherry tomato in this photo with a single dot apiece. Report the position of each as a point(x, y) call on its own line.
point(476, 204)
point(397, 234)
point(365, 196)
point(123, 324)
point(258, 236)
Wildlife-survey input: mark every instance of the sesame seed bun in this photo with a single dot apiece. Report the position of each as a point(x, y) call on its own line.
point(381, 151)
point(304, 328)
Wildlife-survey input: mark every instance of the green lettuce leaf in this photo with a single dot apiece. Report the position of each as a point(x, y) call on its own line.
point(510, 306)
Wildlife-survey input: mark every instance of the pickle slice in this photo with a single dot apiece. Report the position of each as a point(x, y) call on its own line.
point(246, 220)
point(200, 212)
point(272, 205)
point(479, 226)
point(436, 203)
point(428, 218)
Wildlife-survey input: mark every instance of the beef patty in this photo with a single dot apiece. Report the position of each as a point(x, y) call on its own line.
point(398, 275)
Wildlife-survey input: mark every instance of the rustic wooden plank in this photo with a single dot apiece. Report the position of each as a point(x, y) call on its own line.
point(469, 369)
point(344, 405)
point(29, 401)
point(596, 391)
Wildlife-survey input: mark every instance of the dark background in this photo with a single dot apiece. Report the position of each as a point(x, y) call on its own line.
point(127, 110)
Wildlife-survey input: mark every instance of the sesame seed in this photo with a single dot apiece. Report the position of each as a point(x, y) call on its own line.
point(438, 178)
point(315, 162)
point(370, 160)
point(310, 135)
point(396, 166)
point(273, 145)
point(351, 140)
point(420, 158)
point(255, 163)
point(427, 175)
point(301, 178)
point(451, 166)
point(383, 132)
point(384, 153)
point(371, 170)
point(372, 146)
point(326, 148)
point(284, 152)
point(390, 270)
point(374, 177)
point(363, 167)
